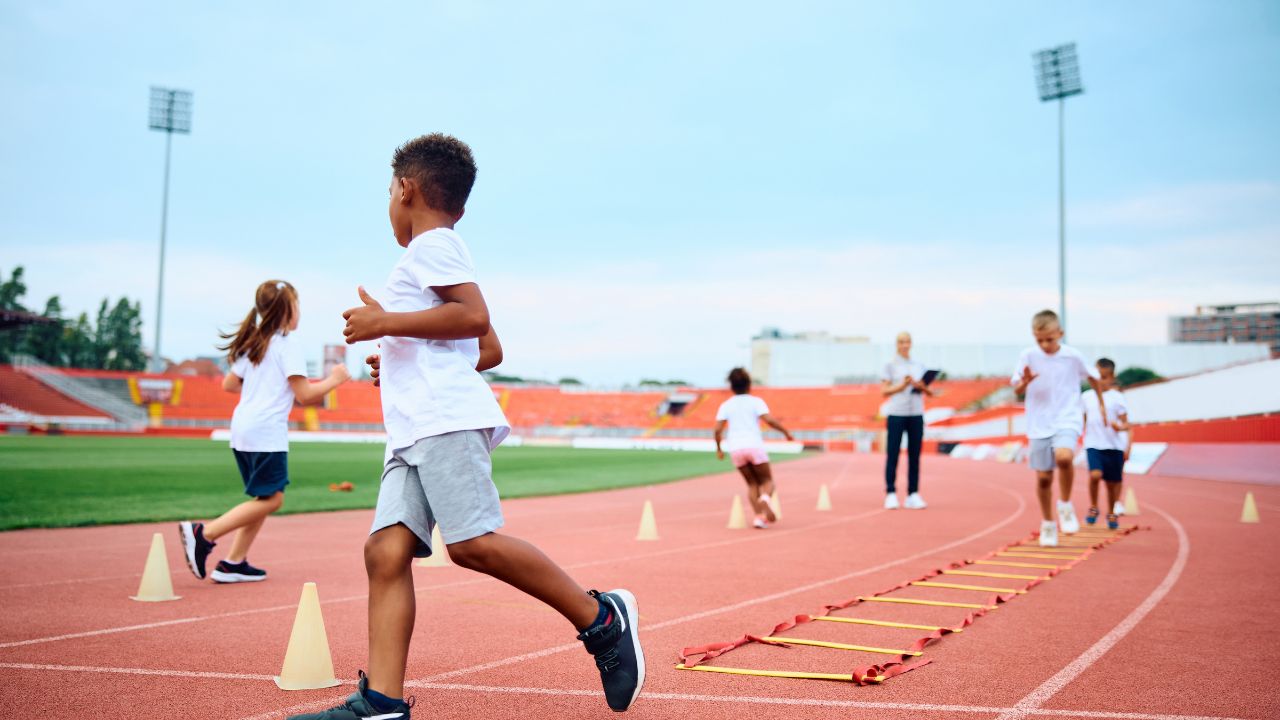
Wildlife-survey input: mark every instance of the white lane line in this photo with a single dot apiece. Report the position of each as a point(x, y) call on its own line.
point(173, 570)
point(1050, 687)
point(136, 671)
point(477, 580)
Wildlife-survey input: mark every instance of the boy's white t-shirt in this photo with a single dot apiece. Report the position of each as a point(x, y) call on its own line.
point(1098, 433)
point(260, 422)
point(431, 387)
point(906, 402)
point(743, 415)
point(1053, 398)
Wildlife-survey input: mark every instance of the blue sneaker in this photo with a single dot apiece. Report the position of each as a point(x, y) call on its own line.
point(194, 547)
point(1092, 516)
point(358, 707)
point(615, 643)
point(1113, 522)
point(225, 572)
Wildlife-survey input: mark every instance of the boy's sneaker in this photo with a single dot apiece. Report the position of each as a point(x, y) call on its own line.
point(1113, 522)
point(891, 501)
point(1118, 508)
point(1048, 533)
point(225, 572)
point(760, 523)
point(1092, 516)
point(358, 707)
point(194, 547)
point(767, 502)
point(1067, 516)
point(616, 645)
point(915, 502)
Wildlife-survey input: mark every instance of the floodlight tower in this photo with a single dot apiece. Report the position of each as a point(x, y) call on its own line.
point(170, 113)
point(1058, 78)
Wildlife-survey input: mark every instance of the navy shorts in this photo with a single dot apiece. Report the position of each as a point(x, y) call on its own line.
point(264, 473)
point(1110, 462)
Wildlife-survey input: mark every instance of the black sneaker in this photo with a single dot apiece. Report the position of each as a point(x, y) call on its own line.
point(358, 707)
point(616, 645)
point(194, 547)
point(225, 572)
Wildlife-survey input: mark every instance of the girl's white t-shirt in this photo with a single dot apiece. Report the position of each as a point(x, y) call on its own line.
point(431, 387)
point(1098, 433)
point(743, 415)
point(260, 422)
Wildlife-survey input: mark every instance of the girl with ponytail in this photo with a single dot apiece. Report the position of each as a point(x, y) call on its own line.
point(269, 373)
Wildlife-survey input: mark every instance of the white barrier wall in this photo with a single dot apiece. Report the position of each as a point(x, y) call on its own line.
point(1250, 389)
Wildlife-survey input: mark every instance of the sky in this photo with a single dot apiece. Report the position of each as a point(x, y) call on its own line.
point(657, 181)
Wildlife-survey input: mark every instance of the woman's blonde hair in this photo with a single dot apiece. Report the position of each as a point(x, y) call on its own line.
point(273, 308)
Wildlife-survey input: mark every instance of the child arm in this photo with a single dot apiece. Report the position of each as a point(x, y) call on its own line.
point(232, 382)
point(312, 393)
point(490, 351)
point(773, 423)
point(719, 435)
point(463, 314)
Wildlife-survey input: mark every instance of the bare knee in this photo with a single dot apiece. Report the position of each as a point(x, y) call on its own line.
point(273, 502)
point(474, 554)
point(1044, 479)
point(386, 555)
point(1063, 458)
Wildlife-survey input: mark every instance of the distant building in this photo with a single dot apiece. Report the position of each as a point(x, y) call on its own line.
point(1242, 322)
point(206, 366)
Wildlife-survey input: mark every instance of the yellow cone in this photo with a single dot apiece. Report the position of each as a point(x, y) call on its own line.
point(824, 499)
point(1250, 513)
point(776, 504)
point(156, 585)
point(1130, 502)
point(737, 518)
point(648, 525)
point(307, 663)
point(439, 556)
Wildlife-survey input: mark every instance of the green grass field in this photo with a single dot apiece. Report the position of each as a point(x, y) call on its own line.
point(70, 481)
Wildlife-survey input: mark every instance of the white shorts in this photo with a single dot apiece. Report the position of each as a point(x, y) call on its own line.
point(1041, 453)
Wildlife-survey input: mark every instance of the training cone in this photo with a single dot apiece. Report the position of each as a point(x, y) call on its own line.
point(1250, 512)
point(439, 556)
point(156, 585)
point(824, 499)
point(776, 504)
point(1130, 502)
point(737, 518)
point(307, 663)
point(648, 526)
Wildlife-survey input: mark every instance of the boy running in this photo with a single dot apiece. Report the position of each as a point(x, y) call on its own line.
point(1049, 373)
point(742, 414)
point(1105, 442)
point(442, 423)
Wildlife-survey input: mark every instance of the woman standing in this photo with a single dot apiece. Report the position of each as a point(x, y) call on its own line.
point(904, 410)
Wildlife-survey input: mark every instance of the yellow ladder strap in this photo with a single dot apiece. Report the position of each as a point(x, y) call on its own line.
point(885, 623)
point(918, 601)
point(979, 588)
point(838, 646)
point(773, 673)
point(1038, 556)
point(974, 573)
point(1018, 564)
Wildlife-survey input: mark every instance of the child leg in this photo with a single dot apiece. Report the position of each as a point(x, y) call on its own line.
point(388, 558)
point(246, 513)
point(524, 567)
point(1095, 477)
point(1113, 494)
point(764, 476)
point(753, 487)
point(1065, 461)
point(243, 540)
point(1044, 493)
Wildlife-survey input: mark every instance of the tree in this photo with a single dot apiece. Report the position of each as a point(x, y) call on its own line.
point(77, 343)
point(119, 336)
point(12, 290)
point(45, 341)
point(569, 381)
point(1135, 375)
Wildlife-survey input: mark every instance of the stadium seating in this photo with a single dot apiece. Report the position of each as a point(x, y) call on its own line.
point(27, 394)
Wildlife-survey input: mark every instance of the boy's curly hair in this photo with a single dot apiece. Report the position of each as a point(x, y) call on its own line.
point(443, 167)
point(739, 381)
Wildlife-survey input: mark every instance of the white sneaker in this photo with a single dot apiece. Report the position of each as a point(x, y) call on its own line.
point(1048, 533)
point(1067, 516)
point(760, 523)
point(915, 502)
point(891, 501)
point(1118, 509)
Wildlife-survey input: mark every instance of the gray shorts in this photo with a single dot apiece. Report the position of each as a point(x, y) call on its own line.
point(1041, 454)
point(445, 479)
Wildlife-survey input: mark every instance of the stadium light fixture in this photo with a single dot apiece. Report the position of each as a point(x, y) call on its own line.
point(1058, 78)
point(170, 113)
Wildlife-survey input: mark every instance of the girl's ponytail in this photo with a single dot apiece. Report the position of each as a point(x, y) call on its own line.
point(274, 303)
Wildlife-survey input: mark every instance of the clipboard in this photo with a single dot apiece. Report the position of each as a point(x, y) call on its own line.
point(928, 378)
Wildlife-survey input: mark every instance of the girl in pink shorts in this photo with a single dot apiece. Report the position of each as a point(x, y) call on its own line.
point(742, 414)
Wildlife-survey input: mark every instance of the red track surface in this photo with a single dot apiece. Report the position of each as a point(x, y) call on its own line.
point(1179, 620)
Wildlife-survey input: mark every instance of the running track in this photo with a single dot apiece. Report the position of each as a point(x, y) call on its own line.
point(1175, 622)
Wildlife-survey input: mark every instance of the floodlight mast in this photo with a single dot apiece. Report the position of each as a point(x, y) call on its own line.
point(170, 113)
point(1058, 78)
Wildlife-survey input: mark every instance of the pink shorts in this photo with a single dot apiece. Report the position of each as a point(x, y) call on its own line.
point(749, 456)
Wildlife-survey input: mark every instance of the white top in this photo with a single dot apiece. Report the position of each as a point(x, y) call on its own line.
point(260, 422)
point(904, 402)
point(1098, 433)
point(1053, 398)
point(743, 414)
point(431, 387)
